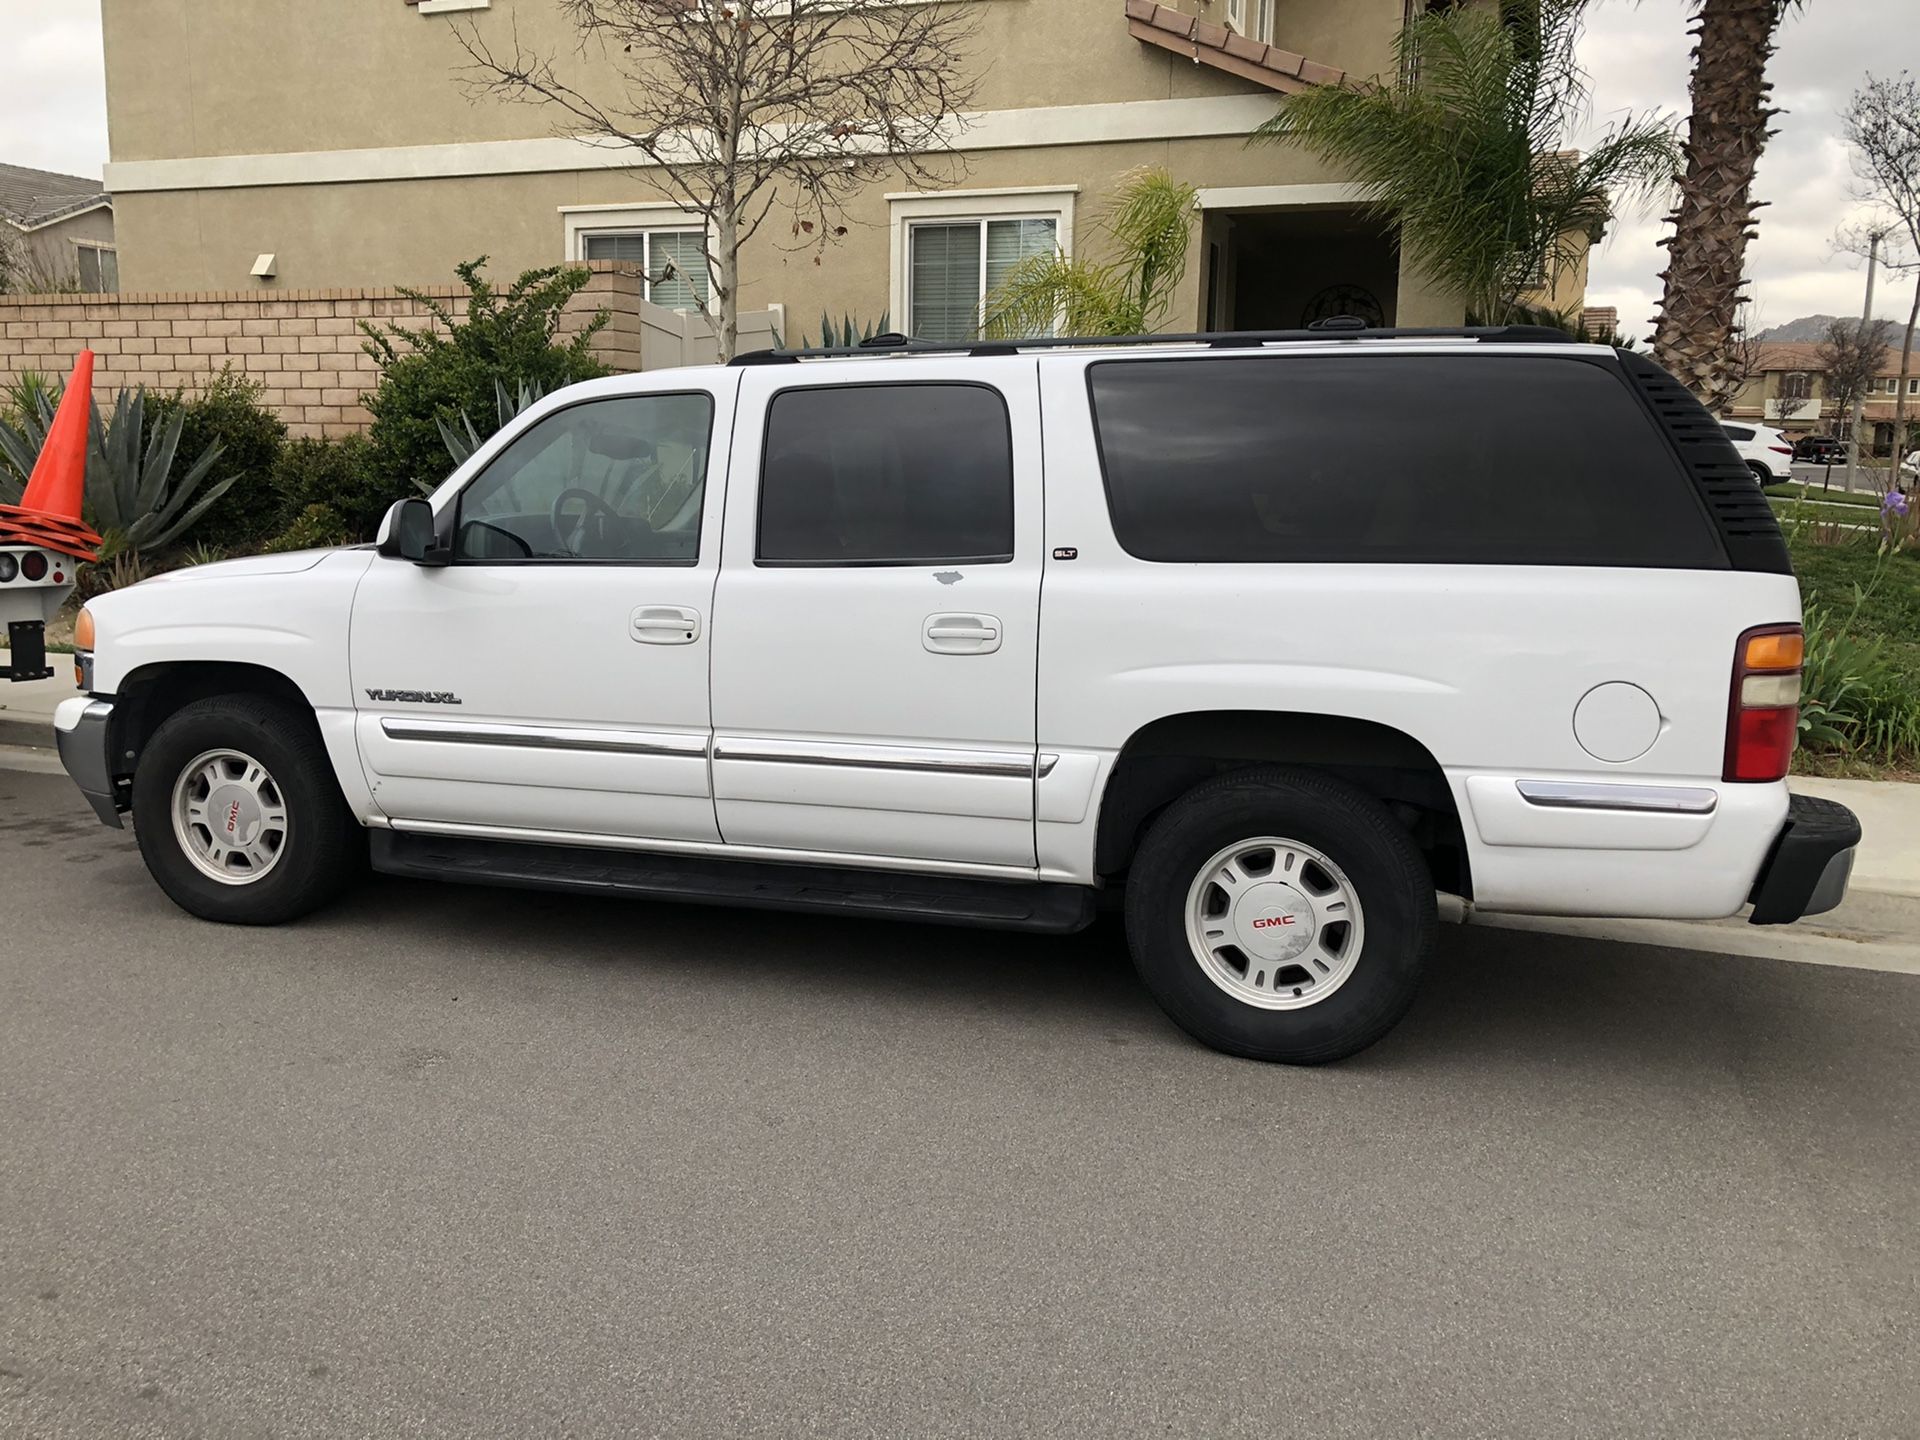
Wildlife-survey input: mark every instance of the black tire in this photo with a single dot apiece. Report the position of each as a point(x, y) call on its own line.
point(1763, 475)
point(323, 848)
point(1349, 827)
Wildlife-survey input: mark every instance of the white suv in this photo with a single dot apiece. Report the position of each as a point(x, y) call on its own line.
point(988, 636)
point(1768, 453)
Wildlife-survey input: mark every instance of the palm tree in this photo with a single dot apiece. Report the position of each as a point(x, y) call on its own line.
point(1707, 252)
point(1467, 154)
point(1148, 229)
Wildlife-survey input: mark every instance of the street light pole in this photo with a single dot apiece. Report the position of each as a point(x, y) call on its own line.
point(1866, 326)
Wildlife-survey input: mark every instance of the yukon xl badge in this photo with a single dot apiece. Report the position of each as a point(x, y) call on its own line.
point(415, 697)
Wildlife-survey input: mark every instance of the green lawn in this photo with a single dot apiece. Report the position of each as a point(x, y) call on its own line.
point(1835, 496)
point(1890, 616)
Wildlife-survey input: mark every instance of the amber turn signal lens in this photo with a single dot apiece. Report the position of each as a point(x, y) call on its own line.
point(83, 631)
point(1776, 652)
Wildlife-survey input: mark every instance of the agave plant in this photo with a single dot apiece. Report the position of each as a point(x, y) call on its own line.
point(463, 442)
point(846, 335)
point(20, 443)
point(131, 496)
point(134, 494)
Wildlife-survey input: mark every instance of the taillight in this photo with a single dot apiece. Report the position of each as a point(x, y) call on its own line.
point(1781, 449)
point(1764, 713)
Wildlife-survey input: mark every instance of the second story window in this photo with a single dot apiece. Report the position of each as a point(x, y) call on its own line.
point(98, 267)
point(1796, 385)
point(1252, 18)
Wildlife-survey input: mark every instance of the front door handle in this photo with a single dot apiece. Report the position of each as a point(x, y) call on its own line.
point(664, 625)
point(961, 634)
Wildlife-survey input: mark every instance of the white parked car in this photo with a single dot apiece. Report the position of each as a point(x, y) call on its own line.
point(991, 636)
point(1768, 453)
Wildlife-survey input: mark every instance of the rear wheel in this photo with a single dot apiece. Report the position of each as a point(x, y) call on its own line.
point(1280, 915)
point(238, 815)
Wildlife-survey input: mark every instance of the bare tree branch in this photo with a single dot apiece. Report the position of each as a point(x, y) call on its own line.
point(1883, 126)
point(732, 106)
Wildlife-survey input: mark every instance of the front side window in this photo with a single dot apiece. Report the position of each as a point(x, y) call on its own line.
point(954, 265)
point(887, 475)
point(673, 261)
point(1455, 459)
point(618, 479)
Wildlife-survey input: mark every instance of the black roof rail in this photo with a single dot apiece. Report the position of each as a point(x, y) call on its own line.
point(890, 345)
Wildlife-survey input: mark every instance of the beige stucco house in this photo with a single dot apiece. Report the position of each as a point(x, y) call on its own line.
point(335, 138)
point(1788, 390)
point(56, 232)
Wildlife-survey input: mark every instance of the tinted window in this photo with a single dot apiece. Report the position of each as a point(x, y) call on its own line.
point(619, 479)
point(879, 474)
point(1487, 459)
point(1737, 432)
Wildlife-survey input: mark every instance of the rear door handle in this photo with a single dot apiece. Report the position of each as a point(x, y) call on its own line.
point(961, 634)
point(664, 625)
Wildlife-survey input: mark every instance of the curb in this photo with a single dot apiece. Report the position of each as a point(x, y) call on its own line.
point(26, 734)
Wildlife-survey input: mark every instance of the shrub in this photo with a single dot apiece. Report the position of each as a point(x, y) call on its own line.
point(339, 475)
point(251, 437)
point(431, 375)
point(313, 528)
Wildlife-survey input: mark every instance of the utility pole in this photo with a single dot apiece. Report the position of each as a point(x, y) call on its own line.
point(1866, 324)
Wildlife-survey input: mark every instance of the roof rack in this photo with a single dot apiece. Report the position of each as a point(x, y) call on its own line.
point(896, 345)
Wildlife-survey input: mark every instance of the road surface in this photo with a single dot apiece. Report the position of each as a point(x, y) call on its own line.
point(465, 1162)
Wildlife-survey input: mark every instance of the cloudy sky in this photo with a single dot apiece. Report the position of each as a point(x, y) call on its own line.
point(53, 116)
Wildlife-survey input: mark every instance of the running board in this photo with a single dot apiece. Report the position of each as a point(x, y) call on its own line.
point(939, 899)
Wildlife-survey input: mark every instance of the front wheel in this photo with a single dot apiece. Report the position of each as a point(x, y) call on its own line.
point(1280, 915)
point(238, 814)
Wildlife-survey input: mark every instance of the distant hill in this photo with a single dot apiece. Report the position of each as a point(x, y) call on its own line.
point(1811, 329)
point(1806, 330)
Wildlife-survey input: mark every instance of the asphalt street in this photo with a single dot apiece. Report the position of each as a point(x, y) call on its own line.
point(450, 1162)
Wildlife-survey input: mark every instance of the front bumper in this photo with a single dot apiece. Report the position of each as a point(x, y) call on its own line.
point(82, 728)
point(1807, 870)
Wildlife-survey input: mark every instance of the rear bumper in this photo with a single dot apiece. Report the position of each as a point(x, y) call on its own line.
point(1807, 870)
point(81, 728)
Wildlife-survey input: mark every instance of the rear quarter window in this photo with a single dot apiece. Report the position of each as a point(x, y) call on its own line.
point(1416, 459)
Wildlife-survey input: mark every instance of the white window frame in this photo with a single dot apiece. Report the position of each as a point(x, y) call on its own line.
point(451, 7)
point(1913, 385)
point(584, 221)
point(98, 245)
point(1263, 21)
point(957, 207)
point(1237, 15)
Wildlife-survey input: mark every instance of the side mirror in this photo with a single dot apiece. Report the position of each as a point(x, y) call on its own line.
point(407, 533)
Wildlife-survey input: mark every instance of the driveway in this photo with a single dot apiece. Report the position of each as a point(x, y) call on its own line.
point(468, 1162)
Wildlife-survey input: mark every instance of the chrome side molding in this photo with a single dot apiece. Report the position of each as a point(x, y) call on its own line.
point(927, 760)
point(536, 737)
point(1604, 795)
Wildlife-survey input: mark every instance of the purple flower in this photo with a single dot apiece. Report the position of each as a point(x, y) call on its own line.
point(1894, 503)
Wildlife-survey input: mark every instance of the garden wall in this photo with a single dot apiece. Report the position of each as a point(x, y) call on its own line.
point(305, 346)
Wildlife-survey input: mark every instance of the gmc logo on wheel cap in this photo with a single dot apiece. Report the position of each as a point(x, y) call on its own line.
point(1265, 921)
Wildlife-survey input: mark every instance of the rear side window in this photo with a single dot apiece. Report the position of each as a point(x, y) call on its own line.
point(1441, 459)
point(887, 475)
point(1737, 432)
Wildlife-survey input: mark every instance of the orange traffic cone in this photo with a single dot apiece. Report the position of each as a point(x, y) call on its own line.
point(49, 512)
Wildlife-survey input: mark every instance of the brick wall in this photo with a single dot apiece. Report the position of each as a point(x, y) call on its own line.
point(304, 346)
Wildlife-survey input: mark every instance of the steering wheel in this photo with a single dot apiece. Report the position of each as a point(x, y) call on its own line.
point(569, 534)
